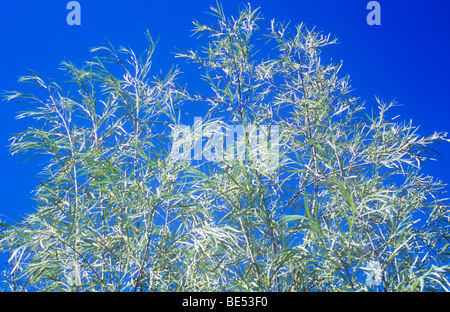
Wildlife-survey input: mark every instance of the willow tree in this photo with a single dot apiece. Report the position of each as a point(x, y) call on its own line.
point(333, 200)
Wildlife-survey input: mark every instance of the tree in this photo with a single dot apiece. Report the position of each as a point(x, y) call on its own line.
point(342, 205)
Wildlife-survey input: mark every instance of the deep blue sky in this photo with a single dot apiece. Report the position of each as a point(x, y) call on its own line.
point(406, 58)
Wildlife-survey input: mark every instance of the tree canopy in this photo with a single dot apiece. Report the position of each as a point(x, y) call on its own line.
point(333, 198)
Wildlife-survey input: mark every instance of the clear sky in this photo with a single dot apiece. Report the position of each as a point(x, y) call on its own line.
point(406, 57)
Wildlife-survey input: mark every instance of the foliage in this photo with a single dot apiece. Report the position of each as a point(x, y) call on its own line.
point(344, 208)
